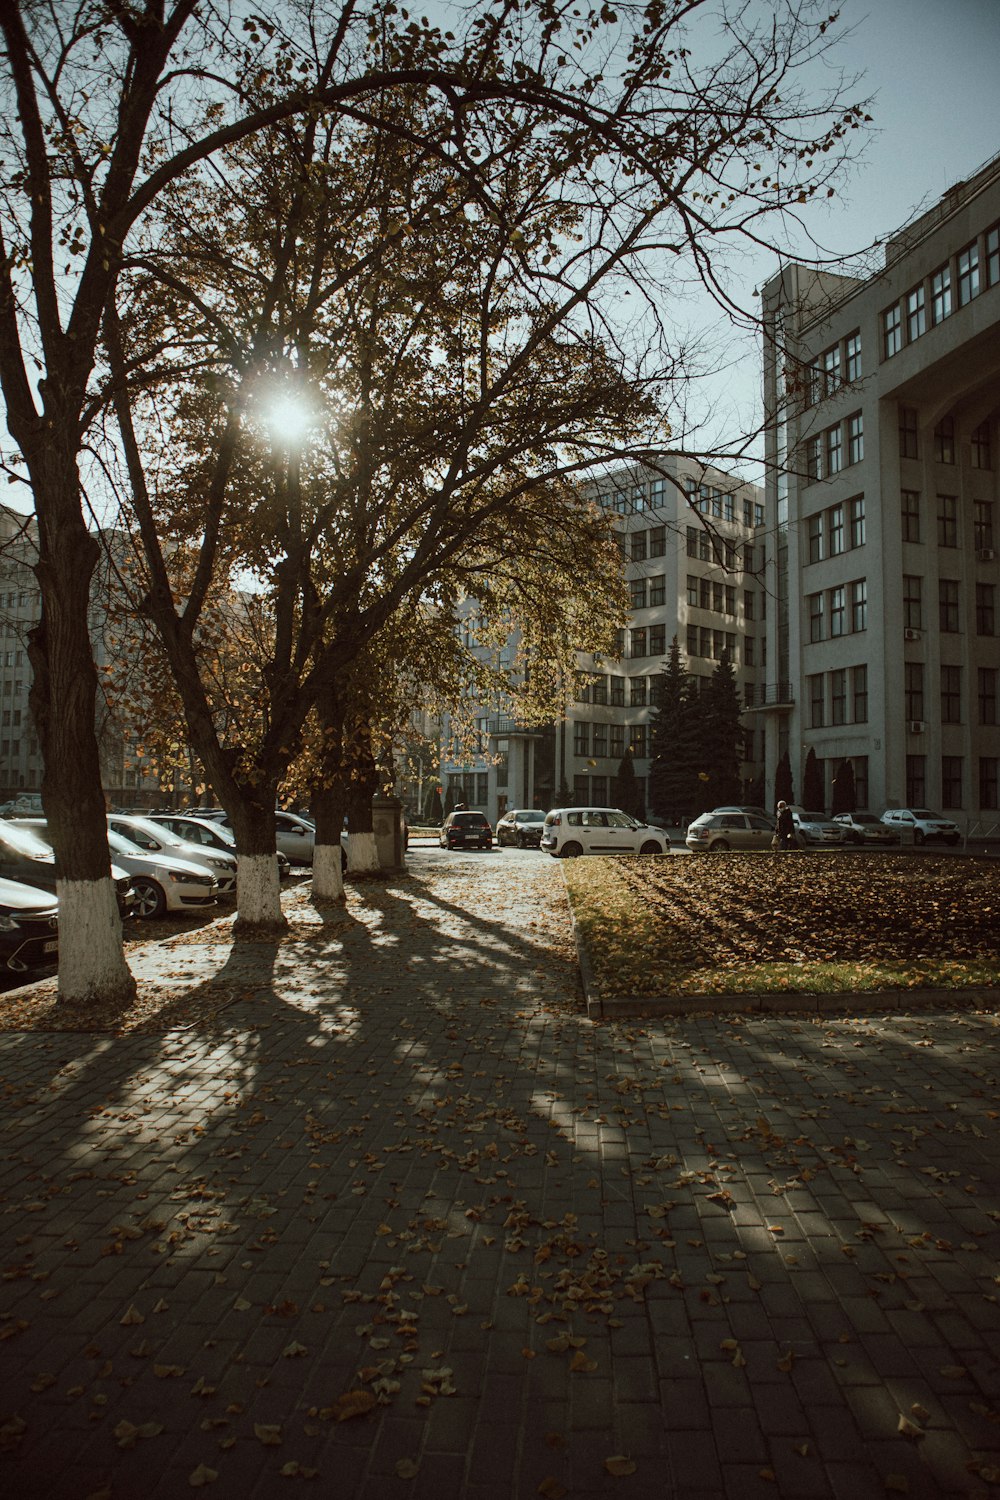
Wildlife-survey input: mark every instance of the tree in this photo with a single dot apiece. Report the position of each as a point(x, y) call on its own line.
point(844, 793)
point(722, 731)
point(626, 792)
point(433, 809)
point(813, 791)
point(645, 154)
point(674, 788)
point(783, 788)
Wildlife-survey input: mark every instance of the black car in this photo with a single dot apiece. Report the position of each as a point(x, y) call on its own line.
point(466, 830)
point(29, 928)
point(521, 826)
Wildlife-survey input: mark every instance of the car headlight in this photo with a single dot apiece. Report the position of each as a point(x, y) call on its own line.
point(205, 879)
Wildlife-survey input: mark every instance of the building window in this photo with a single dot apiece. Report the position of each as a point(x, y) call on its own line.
point(852, 356)
point(814, 458)
point(617, 692)
point(617, 741)
point(657, 591)
point(728, 508)
point(657, 497)
point(855, 438)
point(892, 330)
point(947, 521)
point(993, 255)
point(948, 605)
point(838, 696)
point(730, 599)
point(657, 640)
point(692, 541)
point(705, 547)
point(658, 541)
point(988, 765)
point(718, 598)
point(748, 604)
point(601, 689)
point(637, 593)
point(860, 765)
point(638, 546)
point(916, 780)
point(835, 526)
point(859, 604)
point(619, 643)
point(637, 642)
point(749, 651)
point(909, 510)
point(982, 525)
point(941, 295)
point(582, 688)
point(815, 602)
point(951, 695)
point(944, 441)
point(599, 790)
point(704, 593)
point(830, 364)
point(692, 640)
point(858, 521)
point(833, 449)
point(639, 497)
point(951, 781)
point(705, 642)
point(916, 313)
point(581, 738)
point(817, 710)
point(912, 603)
point(986, 616)
point(913, 689)
point(637, 692)
point(982, 447)
point(718, 644)
point(581, 791)
point(909, 432)
point(838, 612)
point(967, 266)
point(988, 695)
point(859, 696)
point(599, 744)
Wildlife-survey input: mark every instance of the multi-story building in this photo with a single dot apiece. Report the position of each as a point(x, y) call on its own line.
point(882, 496)
point(692, 541)
point(20, 760)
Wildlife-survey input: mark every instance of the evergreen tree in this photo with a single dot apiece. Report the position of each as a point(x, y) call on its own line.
point(722, 731)
point(784, 791)
point(435, 810)
point(449, 801)
point(844, 791)
point(626, 792)
point(813, 798)
point(674, 788)
point(565, 795)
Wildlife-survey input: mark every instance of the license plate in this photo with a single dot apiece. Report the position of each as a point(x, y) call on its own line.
point(50, 946)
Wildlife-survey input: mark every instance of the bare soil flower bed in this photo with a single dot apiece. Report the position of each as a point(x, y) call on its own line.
point(753, 923)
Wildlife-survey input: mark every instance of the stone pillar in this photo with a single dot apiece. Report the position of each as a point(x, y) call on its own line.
point(387, 825)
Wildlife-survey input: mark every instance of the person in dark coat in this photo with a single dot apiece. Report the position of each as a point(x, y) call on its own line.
point(785, 830)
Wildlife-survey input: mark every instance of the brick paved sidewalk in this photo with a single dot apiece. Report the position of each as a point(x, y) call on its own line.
point(405, 1223)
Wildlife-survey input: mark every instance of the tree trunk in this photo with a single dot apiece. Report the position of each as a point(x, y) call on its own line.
point(329, 804)
point(362, 851)
point(258, 888)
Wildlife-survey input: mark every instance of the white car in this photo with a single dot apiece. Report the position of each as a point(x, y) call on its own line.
point(570, 831)
point(161, 882)
point(926, 826)
point(207, 833)
point(814, 829)
point(156, 838)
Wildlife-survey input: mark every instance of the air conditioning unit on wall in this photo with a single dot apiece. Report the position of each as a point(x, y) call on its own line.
point(916, 726)
point(909, 634)
point(985, 554)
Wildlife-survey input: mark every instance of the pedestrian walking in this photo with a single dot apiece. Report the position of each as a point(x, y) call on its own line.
point(784, 833)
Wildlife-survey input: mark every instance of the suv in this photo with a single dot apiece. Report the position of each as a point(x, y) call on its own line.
point(599, 830)
point(926, 826)
point(465, 830)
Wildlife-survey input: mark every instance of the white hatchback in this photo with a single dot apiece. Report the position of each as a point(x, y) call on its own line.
point(570, 831)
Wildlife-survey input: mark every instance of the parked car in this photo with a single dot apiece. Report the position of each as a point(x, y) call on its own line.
point(29, 927)
point(754, 812)
point(208, 833)
point(26, 855)
point(865, 828)
point(162, 881)
point(294, 836)
point(926, 826)
point(156, 838)
point(814, 829)
point(715, 832)
point(466, 830)
point(521, 826)
point(570, 831)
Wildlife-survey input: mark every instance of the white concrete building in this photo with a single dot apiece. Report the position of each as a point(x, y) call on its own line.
point(883, 454)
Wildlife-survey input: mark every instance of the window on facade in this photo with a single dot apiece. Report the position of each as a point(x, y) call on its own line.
point(731, 556)
point(619, 643)
point(947, 520)
point(988, 765)
point(859, 604)
point(692, 591)
point(638, 546)
point(916, 780)
point(599, 790)
point(838, 696)
point(581, 791)
point(581, 738)
point(748, 604)
point(857, 507)
point(637, 593)
point(814, 458)
point(916, 313)
point(750, 558)
point(951, 695)
point(982, 447)
point(716, 502)
point(705, 547)
point(948, 619)
point(859, 696)
point(637, 739)
point(601, 689)
point(951, 781)
point(835, 528)
point(982, 524)
point(692, 640)
point(909, 511)
point(657, 493)
point(637, 692)
point(639, 497)
point(718, 596)
point(582, 688)
point(718, 644)
point(830, 365)
point(993, 255)
point(838, 612)
point(913, 689)
point(617, 692)
point(749, 651)
point(657, 640)
point(637, 642)
point(852, 356)
point(658, 541)
point(616, 742)
point(817, 703)
point(599, 742)
point(833, 449)
point(730, 599)
point(941, 295)
point(815, 602)
point(692, 541)
point(728, 508)
point(987, 693)
point(704, 593)
point(704, 641)
point(815, 532)
point(944, 441)
point(892, 330)
point(913, 614)
point(657, 590)
point(967, 267)
point(986, 614)
point(855, 438)
point(909, 432)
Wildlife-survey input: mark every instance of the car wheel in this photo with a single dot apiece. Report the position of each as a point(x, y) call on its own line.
point(151, 900)
point(918, 837)
point(720, 845)
point(650, 847)
point(571, 850)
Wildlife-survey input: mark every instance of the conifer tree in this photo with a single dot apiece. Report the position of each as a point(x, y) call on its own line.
point(626, 792)
point(844, 790)
point(784, 791)
point(674, 789)
point(723, 734)
point(813, 797)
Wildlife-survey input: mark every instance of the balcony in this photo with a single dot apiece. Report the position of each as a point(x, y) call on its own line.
point(772, 697)
point(510, 728)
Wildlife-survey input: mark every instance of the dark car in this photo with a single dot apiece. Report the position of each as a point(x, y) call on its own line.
point(521, 826)
point(466, 830)
point(29, 927)
point(26, 855)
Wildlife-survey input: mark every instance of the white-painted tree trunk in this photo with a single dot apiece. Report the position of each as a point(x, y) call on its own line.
point(362, 854)
point(92, 963)
point(258, 891)
point(328, 876)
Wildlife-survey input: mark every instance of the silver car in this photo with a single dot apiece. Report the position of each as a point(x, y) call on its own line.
point(865, 828)
point(155, 838)
point(815, 829)
point(714, 833)
point(161, 882)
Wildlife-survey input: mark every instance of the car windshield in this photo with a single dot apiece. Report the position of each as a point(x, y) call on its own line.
point(25, 841)
point(474, 820)
point(121, 844)
point(533, 815)
point(814, 817)
point(924, 813)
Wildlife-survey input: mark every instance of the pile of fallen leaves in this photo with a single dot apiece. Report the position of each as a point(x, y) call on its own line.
point(747, 923)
